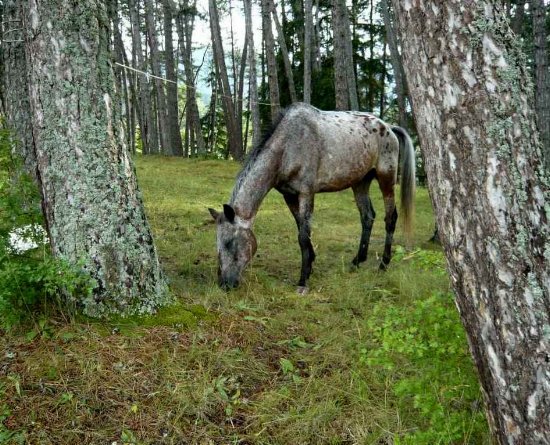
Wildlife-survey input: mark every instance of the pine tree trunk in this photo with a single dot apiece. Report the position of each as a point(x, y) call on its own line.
point(160, 95)
point(339, 54)
point(148, 123)
point(172, 122)
point(253, 77)
point(273, 78)
point(15, 95)
point(234, 135)
point(397, 65)
point(542, 76)
point(186, 21)
point(471, 96)
point(91, 202)
point(308, 34)
point(284, 53)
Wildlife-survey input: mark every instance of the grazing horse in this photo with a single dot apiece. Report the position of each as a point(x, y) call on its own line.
point(310, 151)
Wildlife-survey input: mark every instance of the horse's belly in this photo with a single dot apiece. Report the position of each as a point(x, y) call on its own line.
point(336, 174)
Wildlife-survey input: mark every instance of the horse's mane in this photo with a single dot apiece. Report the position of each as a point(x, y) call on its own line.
point(255, 153)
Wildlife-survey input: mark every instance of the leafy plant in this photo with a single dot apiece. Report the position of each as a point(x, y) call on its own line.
point(424, 349)
point(30, 277)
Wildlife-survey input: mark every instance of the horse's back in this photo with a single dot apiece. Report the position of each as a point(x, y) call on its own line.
point(332, 150)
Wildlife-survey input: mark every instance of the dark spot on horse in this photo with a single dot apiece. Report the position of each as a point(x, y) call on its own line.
point(375, 130)
point(382, 130)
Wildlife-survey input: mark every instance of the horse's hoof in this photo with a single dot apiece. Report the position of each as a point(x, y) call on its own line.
point(302, 290)
point(383, 266)
point(353, 267)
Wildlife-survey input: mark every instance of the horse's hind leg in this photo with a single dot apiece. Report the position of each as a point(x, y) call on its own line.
point(386, 186)
point(367, 213)
point(301, 207)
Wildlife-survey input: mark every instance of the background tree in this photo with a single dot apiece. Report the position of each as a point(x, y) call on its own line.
point(91, 202)
point(471, 95)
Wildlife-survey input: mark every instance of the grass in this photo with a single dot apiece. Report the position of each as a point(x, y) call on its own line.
point(259, 365)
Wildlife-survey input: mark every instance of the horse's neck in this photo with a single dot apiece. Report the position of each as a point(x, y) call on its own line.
point(253, 184)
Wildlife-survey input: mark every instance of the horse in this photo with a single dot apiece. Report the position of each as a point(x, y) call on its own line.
point(310, 151)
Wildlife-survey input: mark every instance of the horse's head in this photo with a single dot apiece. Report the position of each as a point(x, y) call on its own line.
point(236, 246)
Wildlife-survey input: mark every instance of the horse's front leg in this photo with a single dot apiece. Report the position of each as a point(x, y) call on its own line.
point(301, 207)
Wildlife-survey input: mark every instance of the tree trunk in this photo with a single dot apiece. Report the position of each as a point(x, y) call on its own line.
point(542, 77)
point(91, 202)
point(147, 121)
point(186, 21)
point(273, 78)
point(397, 65)
point(518, 20)
point(15, 96)
point(467, 80)
point(165, 136)
point(344, 77)
point(234, 135)
point(253, 77)
point(308, 34)
point(284, 53)
point(172, 115)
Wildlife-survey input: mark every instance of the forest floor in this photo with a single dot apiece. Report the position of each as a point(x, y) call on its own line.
point(366, 357)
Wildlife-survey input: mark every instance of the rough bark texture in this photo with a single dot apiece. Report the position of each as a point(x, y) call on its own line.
point(542, 76)
point(273, 78)
point(15, 96)
point(471, 95)
point(234, 135)
point(91, 201)
point(175, 147)
point(344, 75)
point(253, 77)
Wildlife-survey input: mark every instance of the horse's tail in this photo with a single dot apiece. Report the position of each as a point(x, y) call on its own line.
point(408, 179)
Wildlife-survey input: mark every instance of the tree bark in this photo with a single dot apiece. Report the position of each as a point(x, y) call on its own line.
point(542, 77)
point(308, 35)
point(253, 77)
point(186, 21)
point(344, 76)
point(284, 53)
point(172, 115)
point(91, 202)
point(397, 64)
point(165, 135)
point(147, 121)
point(273, 78)
point(234, 135)
point(15, 95)
point(467, 79)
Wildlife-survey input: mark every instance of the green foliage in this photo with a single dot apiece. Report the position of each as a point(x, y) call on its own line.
point(30, 278)
point(423, 349)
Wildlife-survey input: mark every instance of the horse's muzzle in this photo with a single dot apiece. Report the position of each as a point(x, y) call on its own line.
point(228, 284)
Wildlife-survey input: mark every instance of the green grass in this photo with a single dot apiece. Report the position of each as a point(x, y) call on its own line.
point(365, 358)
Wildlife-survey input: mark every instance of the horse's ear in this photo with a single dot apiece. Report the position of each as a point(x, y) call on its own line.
point(214, 213)
point(229, 212)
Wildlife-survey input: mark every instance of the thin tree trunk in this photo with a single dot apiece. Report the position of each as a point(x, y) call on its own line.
point(91, 203)
point(173, 128)
point(253, 80)
point(273, 78)
point(148, 123)
point(542, 76)
point(284, 53)
point(383, 81)
point(339, 55)
point(308, 34)
point(397, 65)
point(234, 135)
point(350, 69)
point(491, 198)
point(186, 21)
point(165, 136)
point(519, 18)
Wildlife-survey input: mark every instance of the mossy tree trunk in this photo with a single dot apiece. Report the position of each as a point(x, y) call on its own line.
point(91, 202)
point(473, 104)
